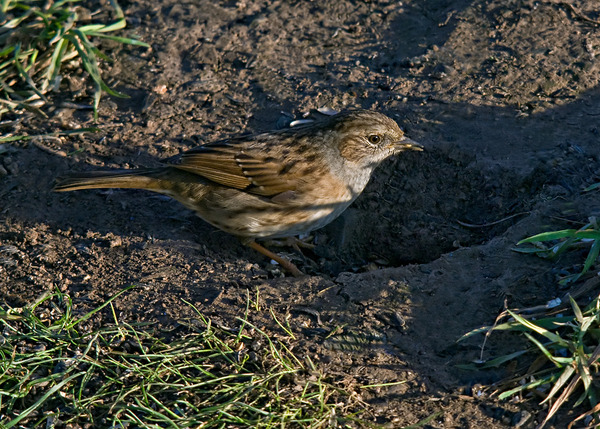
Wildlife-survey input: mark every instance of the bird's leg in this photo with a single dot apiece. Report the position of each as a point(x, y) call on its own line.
point(285, 263)
point(296, 243)
point(303, 242)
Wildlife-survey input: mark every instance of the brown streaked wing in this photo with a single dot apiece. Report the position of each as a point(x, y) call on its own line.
point(239, 165)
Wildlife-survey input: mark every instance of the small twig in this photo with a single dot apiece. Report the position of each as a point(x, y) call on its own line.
point(310, 311)
point(564, 219)
point(485, 225)
point(579, 14)
point(37, 142)
point(69, 105)
point(543, 310)
point(489, 332)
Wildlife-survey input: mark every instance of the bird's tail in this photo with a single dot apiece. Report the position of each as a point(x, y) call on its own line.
point(132, 179)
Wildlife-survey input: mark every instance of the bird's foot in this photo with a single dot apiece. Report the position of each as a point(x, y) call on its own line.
point(285, 263)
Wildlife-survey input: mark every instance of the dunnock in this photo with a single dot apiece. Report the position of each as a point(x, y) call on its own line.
point(272, 185)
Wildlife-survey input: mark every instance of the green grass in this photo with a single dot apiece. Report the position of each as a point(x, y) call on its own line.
point(38, 38)
point(57, 368)
point(566, 351)
point(564, 347)
point(554, 243)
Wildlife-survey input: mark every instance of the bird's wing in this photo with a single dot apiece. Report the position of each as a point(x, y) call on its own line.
point(242, 163)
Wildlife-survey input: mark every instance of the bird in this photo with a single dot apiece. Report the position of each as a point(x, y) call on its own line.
point(271, 185)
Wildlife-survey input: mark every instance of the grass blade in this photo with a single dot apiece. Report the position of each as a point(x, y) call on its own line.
point(41, 401)
point(547, 236)
point(544, 332)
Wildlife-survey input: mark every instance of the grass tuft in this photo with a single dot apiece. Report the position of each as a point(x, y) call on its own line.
point(58, 369)
point(553, 244)
point(38, 38)
point(566, 346)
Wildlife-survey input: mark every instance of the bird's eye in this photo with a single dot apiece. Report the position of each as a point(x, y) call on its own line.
point(374, 139)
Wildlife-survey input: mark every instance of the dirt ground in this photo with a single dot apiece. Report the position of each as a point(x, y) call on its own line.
point(503, 94)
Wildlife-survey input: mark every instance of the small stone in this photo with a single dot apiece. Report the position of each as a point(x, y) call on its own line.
point(521, 418)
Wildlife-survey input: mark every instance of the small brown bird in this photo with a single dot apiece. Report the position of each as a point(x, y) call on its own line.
point(271, 185)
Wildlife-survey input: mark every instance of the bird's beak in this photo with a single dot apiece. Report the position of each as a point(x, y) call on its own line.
point(407, 144)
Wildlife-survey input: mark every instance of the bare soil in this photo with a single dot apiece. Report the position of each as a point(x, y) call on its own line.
point(504, 95)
